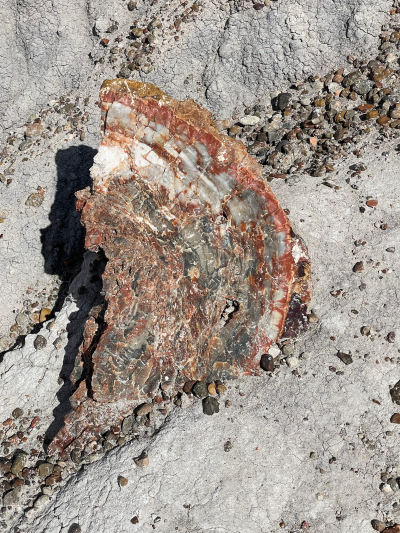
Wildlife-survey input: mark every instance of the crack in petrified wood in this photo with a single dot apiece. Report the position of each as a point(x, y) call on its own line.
point(203, 267)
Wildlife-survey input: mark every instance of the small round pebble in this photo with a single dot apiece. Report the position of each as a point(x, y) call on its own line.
point(200, 389)
point(212, 388)
point(312, 318)
point(267, 362)
point(40, 342)
point(221, 389)
point(228, 446)
point(17, 413)
point(378, 525)
point(385, 488)
point(292, 361)
point(123, 481)
point(287, 349)
point(142, 460)
point(135, 520)
point(45, 469)
point(249, 120)
point(75, 528)
point(144, 409)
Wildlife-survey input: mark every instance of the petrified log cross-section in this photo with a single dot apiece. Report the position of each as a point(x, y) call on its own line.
point(203, 268)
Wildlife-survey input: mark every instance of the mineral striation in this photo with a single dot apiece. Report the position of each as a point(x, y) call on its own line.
point(204, 272)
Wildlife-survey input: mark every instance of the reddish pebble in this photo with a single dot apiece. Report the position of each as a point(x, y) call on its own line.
point(34, 422)
point(395, 419)
point(188, 386)
point(372, 203)
point(257, 7)
point(313, 141)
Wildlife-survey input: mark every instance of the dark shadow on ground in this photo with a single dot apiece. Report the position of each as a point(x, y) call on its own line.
point(63, 246)
point(86, 292)
point(63, 240)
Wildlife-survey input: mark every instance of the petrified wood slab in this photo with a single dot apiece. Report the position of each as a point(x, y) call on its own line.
point(204, 272)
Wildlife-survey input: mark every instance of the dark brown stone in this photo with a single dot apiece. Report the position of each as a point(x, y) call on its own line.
point(378, 525)
point(267, 362)
point(345, 358)
point(358, 267)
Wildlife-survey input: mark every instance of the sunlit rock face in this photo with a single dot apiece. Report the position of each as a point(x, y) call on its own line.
point(203, 268)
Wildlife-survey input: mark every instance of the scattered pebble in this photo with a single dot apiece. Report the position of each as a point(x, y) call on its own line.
point(210, 406)
point(143, 460)
point(35, 199)
point(221, 389)
point(358, 267)
point(228, 446)
point(212, 388)
point(365, 330)
point(287, 349)
point(312, 318)
point(18, 463)
point(17, 413)
point(372, 203)
point(391, 336)
point(44, 314)
point(267, 362)
point(200, 389)
point(378, 525)
point(127, 423)
point(393, 484)
point(45, 469)
point(25, 145)
point(293, 179)
point(12, 497)
point(40, 342)
point(135, 520)
point(385, 488)
point(249, 120)
point(345, 358)
point(144, 409)
point(123, 481)
point(391, 249)
point(292, 361)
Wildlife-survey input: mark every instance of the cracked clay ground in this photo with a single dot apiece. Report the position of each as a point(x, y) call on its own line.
point(308, 447)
